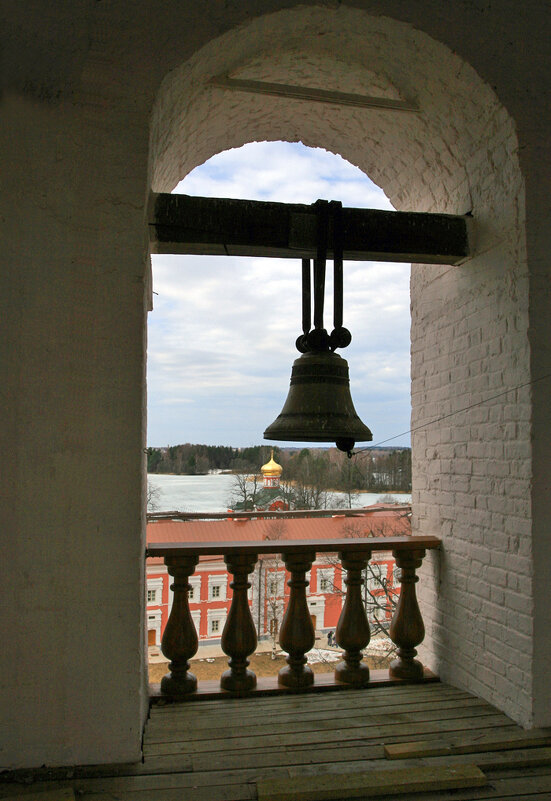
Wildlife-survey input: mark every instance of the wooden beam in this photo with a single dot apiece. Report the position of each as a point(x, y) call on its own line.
point(493, 741)
point(326, 786)
point(268, 687)
point(309, 94)
point(226, 227)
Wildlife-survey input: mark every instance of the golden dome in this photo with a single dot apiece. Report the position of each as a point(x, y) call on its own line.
point(271, 468)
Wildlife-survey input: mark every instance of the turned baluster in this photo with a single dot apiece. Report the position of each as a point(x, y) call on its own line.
point(239, 635)
point(352, 632)
point(407, 629)
point(179, 641)
point(297, 634)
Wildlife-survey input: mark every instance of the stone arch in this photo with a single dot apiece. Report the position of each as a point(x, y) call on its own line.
point(428, 161)
point(469, 324)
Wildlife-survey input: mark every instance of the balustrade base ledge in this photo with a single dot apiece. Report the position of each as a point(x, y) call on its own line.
point(324, 682)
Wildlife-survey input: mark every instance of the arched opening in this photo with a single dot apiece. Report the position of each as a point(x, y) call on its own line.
point(223, 329)
point(221, 342)
point(457, 154)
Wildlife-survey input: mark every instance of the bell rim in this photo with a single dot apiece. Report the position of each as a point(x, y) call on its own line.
point(328, 375)
point(319, 430)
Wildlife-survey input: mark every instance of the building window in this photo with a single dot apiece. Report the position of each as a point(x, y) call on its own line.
point(194, 593)
point(196, 617)
point(217, 587)
point(154, 591)
point(326, 580)
point(216, 619)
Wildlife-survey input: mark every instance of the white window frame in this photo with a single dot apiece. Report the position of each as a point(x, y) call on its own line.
point(326, 574)
point(154, 585)
point(221, 581)
point(196, 617)
point(219, 615)
point(195, 584)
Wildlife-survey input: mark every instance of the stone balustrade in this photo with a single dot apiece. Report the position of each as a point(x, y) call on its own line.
point(296, 637)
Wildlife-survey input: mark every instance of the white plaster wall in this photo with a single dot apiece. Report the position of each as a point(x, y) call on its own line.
point(72, 678)
point(80, 81)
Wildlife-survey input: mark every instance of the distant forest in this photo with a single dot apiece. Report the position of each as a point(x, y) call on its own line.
point(373, 469)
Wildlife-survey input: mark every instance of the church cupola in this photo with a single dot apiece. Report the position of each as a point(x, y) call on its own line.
point(271, 472)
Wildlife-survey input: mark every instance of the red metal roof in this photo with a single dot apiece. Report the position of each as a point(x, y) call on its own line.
point(376, 522)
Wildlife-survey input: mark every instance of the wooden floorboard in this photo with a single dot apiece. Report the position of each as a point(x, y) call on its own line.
point(368, 783)
point(357, 705)
point(495, 763)
point(318, 712)
point(346, 697)
point(219, 749)
point(156, 740)
point(341, 733)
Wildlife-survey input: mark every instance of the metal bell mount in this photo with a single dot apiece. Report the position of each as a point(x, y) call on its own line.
point(319, 406)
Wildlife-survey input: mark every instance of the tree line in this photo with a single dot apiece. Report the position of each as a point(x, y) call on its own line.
point(196, 460)
point(308, 469)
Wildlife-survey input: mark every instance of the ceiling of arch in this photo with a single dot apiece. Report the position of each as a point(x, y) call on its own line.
point(424, 161)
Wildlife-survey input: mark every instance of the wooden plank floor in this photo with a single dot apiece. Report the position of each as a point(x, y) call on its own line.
point(220, 750)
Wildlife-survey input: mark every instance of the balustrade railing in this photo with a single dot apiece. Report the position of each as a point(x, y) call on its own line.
point(297, 636)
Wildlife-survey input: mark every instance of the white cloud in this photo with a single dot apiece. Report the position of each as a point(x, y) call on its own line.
point(221, 336)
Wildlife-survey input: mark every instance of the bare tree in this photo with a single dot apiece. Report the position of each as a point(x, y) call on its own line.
point(153, 497)
point(275, 585)
point(245, 490)
point(348, 485)
point(381, 590)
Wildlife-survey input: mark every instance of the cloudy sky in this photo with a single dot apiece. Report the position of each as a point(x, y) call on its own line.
point(222, 332)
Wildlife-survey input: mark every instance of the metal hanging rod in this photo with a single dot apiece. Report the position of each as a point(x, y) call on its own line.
point(313, 95)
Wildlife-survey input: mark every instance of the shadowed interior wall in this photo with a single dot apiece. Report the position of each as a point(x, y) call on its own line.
point(86, 85)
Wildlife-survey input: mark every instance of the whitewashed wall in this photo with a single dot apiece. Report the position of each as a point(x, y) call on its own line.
point(82, 88)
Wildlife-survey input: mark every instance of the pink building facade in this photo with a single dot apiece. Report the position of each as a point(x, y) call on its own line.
point(210, 594)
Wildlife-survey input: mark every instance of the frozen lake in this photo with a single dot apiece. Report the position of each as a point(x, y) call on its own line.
point(212, 493)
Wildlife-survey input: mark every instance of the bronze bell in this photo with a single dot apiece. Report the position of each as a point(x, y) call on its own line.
point(319, 406)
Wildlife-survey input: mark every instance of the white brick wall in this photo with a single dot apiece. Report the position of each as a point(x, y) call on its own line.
point(472, 470)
